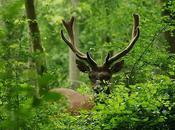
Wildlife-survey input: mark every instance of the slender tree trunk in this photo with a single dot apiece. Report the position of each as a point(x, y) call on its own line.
point(39, 62)
point(169, 35)
point(73, 70)
point(108, 38)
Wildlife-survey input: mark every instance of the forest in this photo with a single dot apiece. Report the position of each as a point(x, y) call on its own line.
point(87, 64)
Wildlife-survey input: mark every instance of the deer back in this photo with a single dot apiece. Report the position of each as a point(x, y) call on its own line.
point(76, 101)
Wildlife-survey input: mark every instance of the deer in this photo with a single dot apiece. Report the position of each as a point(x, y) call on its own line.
point(99, 75)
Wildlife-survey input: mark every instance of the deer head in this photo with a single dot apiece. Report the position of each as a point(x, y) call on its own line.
point(99, 75)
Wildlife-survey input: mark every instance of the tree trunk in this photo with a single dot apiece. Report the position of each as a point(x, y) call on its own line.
point(169, 35)
point(39, 62)
point(73, 70)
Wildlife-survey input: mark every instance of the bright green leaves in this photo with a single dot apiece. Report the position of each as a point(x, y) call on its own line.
point(51, 96)
point(10, 9)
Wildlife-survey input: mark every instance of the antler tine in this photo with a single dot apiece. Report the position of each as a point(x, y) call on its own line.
point(69, 27)
point(91, 61)
point(135, 25)
point(135, 36)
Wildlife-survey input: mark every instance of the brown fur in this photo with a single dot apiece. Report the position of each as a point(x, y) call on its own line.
point(76, 100)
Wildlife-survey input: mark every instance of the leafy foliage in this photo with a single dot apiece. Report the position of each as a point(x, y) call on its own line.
point(143, 92)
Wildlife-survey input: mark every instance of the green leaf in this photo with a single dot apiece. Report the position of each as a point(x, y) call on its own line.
point(52, 96)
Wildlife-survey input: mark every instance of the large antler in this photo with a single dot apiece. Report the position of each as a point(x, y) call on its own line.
point(69, 27)
point(135, 36)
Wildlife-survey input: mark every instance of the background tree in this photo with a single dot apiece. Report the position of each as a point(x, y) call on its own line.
point(169, 18)
point(73, 70)
point(39, 61)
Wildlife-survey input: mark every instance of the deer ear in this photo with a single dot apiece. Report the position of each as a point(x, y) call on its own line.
point(82, 66)
point(117, 66)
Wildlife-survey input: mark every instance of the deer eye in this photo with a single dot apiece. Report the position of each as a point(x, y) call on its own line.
point(92, 76)
point(107, 78)
point(104, 76)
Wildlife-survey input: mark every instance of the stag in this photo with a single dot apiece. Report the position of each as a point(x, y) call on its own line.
point(99, 75)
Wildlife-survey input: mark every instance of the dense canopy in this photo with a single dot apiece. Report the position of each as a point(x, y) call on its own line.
point(34, 59)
